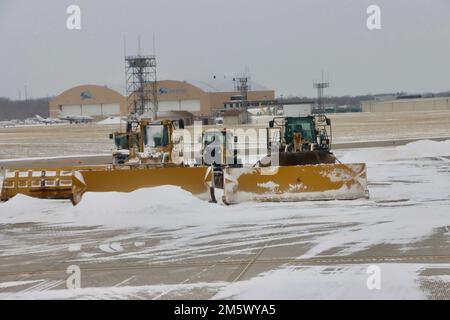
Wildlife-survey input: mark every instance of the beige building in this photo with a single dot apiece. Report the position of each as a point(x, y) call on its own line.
point(234, 117)
point(203, 98)
point(406, 105)
point(197, 97)
point(88, 100)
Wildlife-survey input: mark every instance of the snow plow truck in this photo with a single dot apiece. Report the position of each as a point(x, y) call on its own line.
point(298, 165)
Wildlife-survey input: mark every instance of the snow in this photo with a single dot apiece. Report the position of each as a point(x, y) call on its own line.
point(16, 283)
point(269, 185)
point(413, 150)
point(397, 281)
point(409, 202)
point(116, 292)
point(325, 282)
point(112, 120)
point(111, 247)
point(414, 182)
point(149, 208)
point(74, 247)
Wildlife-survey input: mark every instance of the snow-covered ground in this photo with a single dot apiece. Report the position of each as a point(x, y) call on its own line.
point(398, 281)
point(319, 249)
point(113, 120)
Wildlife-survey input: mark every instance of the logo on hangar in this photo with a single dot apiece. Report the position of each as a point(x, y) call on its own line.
point(164, 90)
point(86, 95)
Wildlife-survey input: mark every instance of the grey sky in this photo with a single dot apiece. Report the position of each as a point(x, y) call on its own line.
point(285, 43)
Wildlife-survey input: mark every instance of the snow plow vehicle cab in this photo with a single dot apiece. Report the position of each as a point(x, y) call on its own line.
point(218, 148)
point(303, 133)
point(147, 142)
point(301, 140)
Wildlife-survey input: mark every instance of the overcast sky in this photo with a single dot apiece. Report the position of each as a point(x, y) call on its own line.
point(284, 43)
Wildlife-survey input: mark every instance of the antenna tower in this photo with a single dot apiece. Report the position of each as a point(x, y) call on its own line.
point(141, 84)
point(320, 86)
point(242, 85)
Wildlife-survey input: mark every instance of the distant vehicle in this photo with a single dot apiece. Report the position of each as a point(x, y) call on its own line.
point(75, 118)
point(48, 120)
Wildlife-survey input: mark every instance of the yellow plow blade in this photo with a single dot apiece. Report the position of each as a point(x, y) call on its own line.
point(48, 183)
point(296, 183)
point(285, 183)
point(191, 179)
point(72, 183)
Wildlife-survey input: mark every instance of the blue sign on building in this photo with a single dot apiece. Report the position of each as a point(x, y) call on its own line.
point(163, 90)
point(86, 95)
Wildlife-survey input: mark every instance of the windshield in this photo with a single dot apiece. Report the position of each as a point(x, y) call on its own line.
point(211, 137)
point(302, 127)
point(156, 136)
point(121, 141)
point(217, 137)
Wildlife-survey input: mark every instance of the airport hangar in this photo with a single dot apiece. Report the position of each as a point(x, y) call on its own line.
point(407, 104)
point(200, 98)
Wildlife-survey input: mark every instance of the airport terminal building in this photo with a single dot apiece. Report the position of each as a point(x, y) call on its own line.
point(201, 99)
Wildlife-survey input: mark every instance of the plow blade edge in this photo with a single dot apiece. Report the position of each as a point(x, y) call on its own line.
point(296, 183)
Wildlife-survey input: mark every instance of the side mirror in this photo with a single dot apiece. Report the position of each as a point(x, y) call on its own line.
point(271, 123)
point(181, 124)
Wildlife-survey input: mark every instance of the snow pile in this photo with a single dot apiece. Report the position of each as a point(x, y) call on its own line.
point(398, 281)
point(413, 150)
point(165, 206)
point(22, 208)
point(112, 120)
point(425, 148)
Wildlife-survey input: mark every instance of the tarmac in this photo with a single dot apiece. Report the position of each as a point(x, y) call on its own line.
point(107, 270)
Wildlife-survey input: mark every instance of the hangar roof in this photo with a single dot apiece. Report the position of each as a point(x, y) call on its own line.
point(223, 85)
